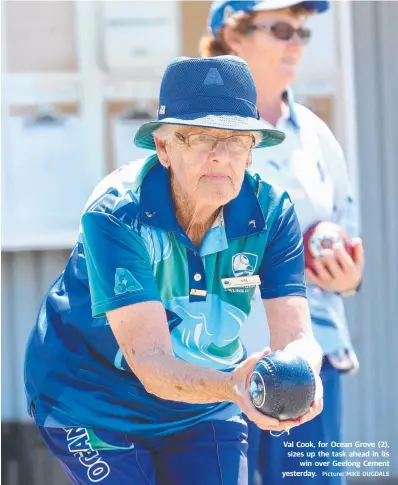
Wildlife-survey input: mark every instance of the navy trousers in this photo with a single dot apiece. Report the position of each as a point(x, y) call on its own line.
point(211, 453)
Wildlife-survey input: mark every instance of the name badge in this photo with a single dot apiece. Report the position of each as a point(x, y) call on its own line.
point(239, 282)
point(198, 292)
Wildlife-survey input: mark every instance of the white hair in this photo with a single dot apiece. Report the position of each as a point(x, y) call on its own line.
point(165, 133)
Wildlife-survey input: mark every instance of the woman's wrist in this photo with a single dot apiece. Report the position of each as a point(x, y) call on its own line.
point(347, 293)
point(352, 291)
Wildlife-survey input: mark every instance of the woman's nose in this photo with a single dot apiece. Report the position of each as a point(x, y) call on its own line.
point(220, 152)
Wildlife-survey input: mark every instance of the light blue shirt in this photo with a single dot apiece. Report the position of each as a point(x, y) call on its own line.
point(310, 166)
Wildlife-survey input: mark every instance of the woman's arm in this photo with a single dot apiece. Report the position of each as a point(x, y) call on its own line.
point(142, 333)
point(290, 328)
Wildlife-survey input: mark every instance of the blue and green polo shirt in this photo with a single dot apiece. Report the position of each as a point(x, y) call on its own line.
point(131, 249)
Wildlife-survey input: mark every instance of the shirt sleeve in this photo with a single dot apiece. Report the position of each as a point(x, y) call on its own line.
point(118, 264)
point(282, 267)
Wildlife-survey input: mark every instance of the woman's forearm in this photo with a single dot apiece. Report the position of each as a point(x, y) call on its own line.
point(170, 378)
point(308, 348)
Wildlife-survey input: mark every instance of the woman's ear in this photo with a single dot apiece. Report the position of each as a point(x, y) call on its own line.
point(162, 152)
point(233, 40)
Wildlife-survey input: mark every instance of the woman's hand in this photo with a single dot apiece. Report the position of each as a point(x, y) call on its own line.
point(241, 396)
point(317, 405)
point(337, 271)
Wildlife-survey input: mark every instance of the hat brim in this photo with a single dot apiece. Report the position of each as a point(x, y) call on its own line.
point(319, 6)
point(269, 138)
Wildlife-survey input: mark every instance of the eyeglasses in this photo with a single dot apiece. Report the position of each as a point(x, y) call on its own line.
point(236, 144)
point(284, 31)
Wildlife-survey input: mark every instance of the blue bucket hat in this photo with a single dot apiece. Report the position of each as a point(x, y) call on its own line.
point(211, 92)
point(220, 11)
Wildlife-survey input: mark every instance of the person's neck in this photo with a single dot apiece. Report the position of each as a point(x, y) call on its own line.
point(270, 103)
point(195, 219)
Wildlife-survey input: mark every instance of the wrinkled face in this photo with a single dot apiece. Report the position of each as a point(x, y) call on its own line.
point(267, 56)
point(207, 172)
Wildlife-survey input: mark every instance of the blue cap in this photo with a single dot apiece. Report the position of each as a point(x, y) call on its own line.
point(221, 10)
point(212, 92)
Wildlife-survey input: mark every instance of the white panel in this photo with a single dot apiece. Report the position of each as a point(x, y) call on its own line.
point(30, 89)
point(140, 35)
point(41, 172)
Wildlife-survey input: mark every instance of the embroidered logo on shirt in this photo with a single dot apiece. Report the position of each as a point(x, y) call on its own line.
point(244, 264)
point(125, 282)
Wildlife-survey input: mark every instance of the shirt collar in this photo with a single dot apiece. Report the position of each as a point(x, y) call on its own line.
point(288, 97)
point(243, 215)
point(156, 203)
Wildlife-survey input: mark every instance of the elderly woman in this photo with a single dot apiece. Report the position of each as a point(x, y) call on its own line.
point(270, 36)
point(135, 367)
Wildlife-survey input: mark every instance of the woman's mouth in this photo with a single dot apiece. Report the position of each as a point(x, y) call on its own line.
point(217, 176)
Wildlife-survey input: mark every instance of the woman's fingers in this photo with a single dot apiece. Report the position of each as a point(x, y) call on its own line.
point(358, 253)
point(331, 268)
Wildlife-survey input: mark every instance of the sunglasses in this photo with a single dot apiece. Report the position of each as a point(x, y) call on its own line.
point(284, 31)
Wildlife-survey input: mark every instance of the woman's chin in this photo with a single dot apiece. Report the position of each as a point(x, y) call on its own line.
point(218, 197)
point(289, 73)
